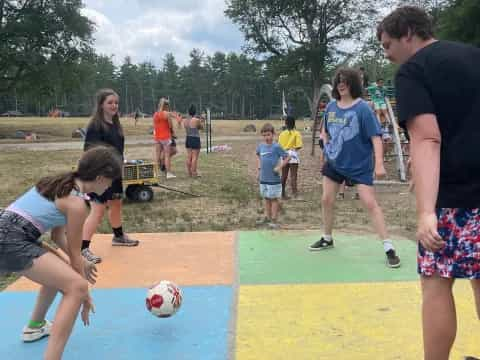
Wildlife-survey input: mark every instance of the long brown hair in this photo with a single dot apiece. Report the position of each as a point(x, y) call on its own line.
point(351, 77)
point(98, 119)
point(98, 161)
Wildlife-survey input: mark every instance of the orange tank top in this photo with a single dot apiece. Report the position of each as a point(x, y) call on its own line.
point(161, 129)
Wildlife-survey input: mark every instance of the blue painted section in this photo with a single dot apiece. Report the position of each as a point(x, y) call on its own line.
point(123, 328)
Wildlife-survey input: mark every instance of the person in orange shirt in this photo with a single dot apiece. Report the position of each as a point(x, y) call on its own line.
point(163, 136)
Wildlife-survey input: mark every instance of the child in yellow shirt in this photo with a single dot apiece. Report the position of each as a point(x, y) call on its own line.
point(291, 141)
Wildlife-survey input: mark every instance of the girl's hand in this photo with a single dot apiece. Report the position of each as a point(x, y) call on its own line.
point(380, 171)
point(86, 308)
point(90, 271)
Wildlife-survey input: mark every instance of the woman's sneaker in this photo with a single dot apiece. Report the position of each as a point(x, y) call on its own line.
point(273, 225)
point(33, 334)
point(90, 256)
point(321, 244)
point(124, 240)
point(393, 261)
point(262, 222)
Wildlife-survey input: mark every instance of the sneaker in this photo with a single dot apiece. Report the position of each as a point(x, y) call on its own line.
point(263, 221)
point(471, 358)
point(340, 196)
point(163, 168)
point(393, 261)
point(356, 196)
point(33, 334)
point(273, 226)
point(124, 240)
point(87, 254)
point(321, 244)
point(170, 176)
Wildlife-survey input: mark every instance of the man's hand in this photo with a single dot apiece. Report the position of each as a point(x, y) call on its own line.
point(427, 232)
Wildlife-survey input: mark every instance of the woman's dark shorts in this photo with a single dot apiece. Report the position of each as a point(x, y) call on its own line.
point(333, 175)
point(19, 243)
point(193, 143)
point(113, 192)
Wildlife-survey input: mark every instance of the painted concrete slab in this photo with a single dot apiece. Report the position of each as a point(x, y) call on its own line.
point(283, 257)
point(361, 321)
point(122, 328)
point(185, 258)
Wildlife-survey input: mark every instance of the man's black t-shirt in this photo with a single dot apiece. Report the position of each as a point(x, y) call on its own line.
point(444, 79)
point(105, 135)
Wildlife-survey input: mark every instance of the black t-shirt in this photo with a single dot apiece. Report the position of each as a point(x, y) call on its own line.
point(108, 135)
point(444, 79)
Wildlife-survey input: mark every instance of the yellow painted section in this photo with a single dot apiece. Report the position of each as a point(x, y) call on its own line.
point(374, 321)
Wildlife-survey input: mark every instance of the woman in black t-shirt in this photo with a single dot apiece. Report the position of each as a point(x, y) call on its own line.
point(105, 129)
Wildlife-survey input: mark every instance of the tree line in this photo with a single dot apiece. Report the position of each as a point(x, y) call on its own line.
point(47, 59)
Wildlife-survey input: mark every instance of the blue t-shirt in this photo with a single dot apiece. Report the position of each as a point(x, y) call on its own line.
point(349, 149)
point(270, 155)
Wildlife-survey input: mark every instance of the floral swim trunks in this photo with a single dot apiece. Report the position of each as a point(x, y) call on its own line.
point(460, 258)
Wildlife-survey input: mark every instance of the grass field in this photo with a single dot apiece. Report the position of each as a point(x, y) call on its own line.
point(60, 129)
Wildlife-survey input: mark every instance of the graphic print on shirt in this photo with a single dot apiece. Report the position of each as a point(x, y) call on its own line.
point(340, 130)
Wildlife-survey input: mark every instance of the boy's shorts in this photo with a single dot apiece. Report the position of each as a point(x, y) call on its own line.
point(379, 105)
point(271, 191)
point(460, 258)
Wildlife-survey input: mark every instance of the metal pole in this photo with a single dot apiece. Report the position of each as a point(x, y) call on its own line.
point(398, 145)
point(206, 133)
point(209, 130)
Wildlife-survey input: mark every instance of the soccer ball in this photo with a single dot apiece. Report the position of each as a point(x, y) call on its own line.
point(164, 299)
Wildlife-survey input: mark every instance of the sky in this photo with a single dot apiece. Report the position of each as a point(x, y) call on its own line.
point(146, 30)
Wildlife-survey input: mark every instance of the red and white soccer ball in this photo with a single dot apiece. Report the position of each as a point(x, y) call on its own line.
point(164, 299)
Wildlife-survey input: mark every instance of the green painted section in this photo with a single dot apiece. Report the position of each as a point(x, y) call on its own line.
point(278, 257)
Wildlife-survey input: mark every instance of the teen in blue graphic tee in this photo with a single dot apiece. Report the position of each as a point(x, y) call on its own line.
point(349, 149)
point(353, 152)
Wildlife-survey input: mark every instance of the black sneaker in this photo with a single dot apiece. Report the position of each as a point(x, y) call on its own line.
point(321, 244)
point(471, 358)
point(393, 261)
point(124, 240)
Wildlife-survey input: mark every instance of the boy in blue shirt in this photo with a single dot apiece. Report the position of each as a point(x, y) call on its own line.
point(271, 158)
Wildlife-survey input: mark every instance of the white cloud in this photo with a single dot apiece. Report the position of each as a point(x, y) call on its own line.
point(146, 30)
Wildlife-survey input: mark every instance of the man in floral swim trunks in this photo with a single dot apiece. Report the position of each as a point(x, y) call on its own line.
point(438, 98)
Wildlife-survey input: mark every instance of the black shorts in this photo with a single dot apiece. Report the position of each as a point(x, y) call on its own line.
point(192, 142)
point(113, 192)
point(321, 144)
point(333, 175)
